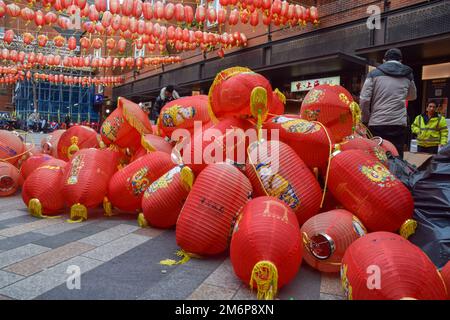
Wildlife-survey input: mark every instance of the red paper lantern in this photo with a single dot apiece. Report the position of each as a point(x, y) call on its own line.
point(10, 147)
point(127, 7)
point(85, 43)
point(310, 140)
point(327, 236)
point(8, 36)
point(266, 250)
point(200, 14)
point(368, 146)
point(32, 163)
point(276, 170)
point(13, 10)
point(100, 5)
point(59, 41)
point(385, 266)
point(137, 9)
point(179, 12)
point(147, 10)
point(278, 103)
point(97, 43)
point(151, 142)
point(9, 179)
point(85, 181)
point(366, 188)
point(121, 45)
point(239, 92)
point(445, 273)
point(74, 139)
point(2, 8)
point(334, 107)
point(208, 215)
point(128, 185)
point(188, 14)
point(42, 190)
point(386, 145)
point(50, 18)
point(164, 198)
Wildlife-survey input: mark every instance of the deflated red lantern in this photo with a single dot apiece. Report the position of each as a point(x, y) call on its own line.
point(327, 236)
point(127, 186)
point(151, 142)
point(266, 250)
point(276, 170)
point(405, 271)
point(310, 140)
point(74, 139)
point(125, 125)
point(11, 147)
point(182, 113)
point(85, 181)
point(278, 103)
point(164, 198)
point(334, 107)
point(386, 145)
point(9, 179)
point(366, 188)
point(42, 191)
point(209, 213)
point(239, 92)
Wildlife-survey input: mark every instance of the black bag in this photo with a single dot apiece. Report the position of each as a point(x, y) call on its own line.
point(401, 169)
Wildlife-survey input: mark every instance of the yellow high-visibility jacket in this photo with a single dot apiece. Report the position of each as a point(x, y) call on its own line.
point(430, 134)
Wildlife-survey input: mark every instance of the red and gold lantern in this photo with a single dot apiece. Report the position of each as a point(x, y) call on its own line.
point(8, 37)
point(9, 179)
point(74, 139)
point(151, 142)
point(266, 250)
point(385, 266)
point(32, 163)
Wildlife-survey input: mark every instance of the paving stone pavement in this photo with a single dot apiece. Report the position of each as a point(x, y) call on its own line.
point(119, 260)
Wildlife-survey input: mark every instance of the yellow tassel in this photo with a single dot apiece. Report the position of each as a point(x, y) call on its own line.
point(408, 228)
point(35, 209)
point(134, 121)
point(258, 102)
point(73, 148)
point(356, 113)
point(77, 211)
point(141, 221)
point(181, 253)
point(280, 96)
point(187, 177)
point(107, 207)
point(265, 274)
point(147, 146)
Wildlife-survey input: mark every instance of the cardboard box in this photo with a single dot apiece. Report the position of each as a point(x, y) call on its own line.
point(420, 160)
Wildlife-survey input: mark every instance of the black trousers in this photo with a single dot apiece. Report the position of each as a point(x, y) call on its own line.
point(395, 134)
point(431, 150)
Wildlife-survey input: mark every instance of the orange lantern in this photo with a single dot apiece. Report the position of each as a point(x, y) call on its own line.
point(266, 250)
point(385, 266)
point(327, 236)
point(310, 140)
point(366, 188)
point(276, 170)
point(239, 92)
point(85, 181)
point(208, 215)
point(128, 185)
point(164, 198)
point(9, 179)
point(45, 198)
point(11, 147)
point(74, 139)
point(182, 113)
point(334, 107)
point(125, 125)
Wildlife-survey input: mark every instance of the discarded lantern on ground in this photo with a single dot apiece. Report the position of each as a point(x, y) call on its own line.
point(151, 142)
point(182, 113)
point(327, 235)
point(278, 103)
point(334, 107)
point(276, 170)
point(164, 198)
point(128, 185)
point(32, 163)
point(211, 208)
point(42, 191)
point(85, 181)
point(74, 139)
point(125, 125)
point(9, 179)
point(385, 266)
point(367, 145)
point(386, 145)
point(49, 144)
point(365, 187)
point(266, 250)
point(310, 140)
point(10, 146)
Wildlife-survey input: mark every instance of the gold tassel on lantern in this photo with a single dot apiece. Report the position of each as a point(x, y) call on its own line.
point(35, 209)
point(77, 211)
point(181, 253)
point(265, 274)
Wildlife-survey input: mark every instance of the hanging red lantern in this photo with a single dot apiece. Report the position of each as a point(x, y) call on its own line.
point(13, 56)
point(100, 5)
point(39, 19)
point(110, 43)
point(121, 45)
point(212, 15)
point(366, 188)
point(314, 15)
point(292, 183)
point(158, 11)
point(42, 40)
point(137, 9)
point(13, 10)
point(59, 41)
point(387, 254)
point(200, 14)
point(221, 16)
point(85, 43)
point(127, 7)
point(27, 14)
point(169, 11)
point(9, 179)
point(254, 19)
point(75, 138)
point(132, 25)
point(115, 23)
point(147, 10)
point(63, 22)
point(188, 14)
point(327, 236)
point(127, 186)
point(266, 250)
point(50, 18)
point(2, 8)
point(208, 215)
point(124, 22)
point(276, 8)
point(116, 62)
point(141, 27)
point(164, 198)
point(8, 36)
point(97, 43)
point(82, 3)
point(123, 63)
point(179, 13)
point(72, 43)
point(334, 107)
point(234, 17)
point(244, 16)
point(114, 6)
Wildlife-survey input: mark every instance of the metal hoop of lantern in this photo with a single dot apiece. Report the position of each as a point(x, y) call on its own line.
point(207, 219)
point(327, 236)
point(9, 179)
point(266, 250)
point(405, 270)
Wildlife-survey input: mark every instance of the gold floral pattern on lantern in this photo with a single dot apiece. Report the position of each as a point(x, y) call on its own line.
point(176, 115)
point(313, 96)
point(138, 183)
point(378, 174)
point(162, 182)
point(77, 165)
point(297, 125)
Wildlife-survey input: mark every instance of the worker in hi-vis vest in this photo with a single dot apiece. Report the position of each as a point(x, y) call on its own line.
point(431, 130)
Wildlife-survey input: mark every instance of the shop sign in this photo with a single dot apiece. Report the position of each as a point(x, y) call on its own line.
point(306, 85)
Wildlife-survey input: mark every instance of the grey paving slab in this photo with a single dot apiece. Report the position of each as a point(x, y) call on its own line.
point(20, 253)
point(325, 296)
point(36, 285)
point(62, 227)
point(211, 292)
point(116, 247)
point(10, 214)
point(244, 293)
point(305, 286)
point(17, 220)
point(8, 243)
point(109, 234)
point(7, 278)
point(331, 284)
point(224, 277)
point(28, 227)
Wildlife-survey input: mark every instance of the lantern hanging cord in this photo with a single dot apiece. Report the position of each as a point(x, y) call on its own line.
point(328, 164)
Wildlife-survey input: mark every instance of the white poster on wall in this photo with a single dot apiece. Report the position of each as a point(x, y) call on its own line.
point(306, 85)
